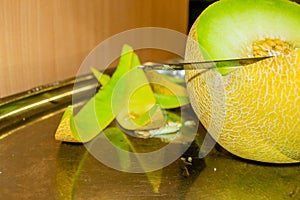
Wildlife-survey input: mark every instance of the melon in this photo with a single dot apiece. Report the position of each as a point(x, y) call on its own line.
point(252, 111)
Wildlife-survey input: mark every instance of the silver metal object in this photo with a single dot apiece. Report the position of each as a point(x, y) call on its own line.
point(203, 64)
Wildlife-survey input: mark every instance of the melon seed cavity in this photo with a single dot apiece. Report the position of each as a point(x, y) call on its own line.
point(271, 47)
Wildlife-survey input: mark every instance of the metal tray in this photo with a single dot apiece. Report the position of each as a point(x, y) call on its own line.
point(35, 166)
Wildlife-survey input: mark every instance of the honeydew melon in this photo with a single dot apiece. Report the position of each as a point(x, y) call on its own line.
point(252, 111)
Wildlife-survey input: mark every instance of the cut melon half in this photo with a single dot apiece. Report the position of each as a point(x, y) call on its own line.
point(252, 111)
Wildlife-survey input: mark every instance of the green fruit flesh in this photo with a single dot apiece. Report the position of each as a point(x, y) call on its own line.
point(230, 28)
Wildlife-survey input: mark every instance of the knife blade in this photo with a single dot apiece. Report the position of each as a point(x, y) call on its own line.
point(234, 63)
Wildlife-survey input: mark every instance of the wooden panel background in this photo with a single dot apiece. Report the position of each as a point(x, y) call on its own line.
point(44, 41)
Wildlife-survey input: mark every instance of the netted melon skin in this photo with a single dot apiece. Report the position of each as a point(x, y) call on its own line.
point(259, 118)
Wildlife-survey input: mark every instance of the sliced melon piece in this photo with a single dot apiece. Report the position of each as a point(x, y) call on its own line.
point(134, 102)
point(167, 93)
point(254, 111)
point(97, 113)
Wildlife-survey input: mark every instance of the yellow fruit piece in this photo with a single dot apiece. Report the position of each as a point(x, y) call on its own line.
point(253, 112)
point(64, 130)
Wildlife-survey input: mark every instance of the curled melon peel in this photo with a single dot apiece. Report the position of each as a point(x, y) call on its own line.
point(254, 111)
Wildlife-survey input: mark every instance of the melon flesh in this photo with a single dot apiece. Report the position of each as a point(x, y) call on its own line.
point(253, 111)
point(228, 28)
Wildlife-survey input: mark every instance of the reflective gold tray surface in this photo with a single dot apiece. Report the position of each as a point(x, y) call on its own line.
point(33, 165)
